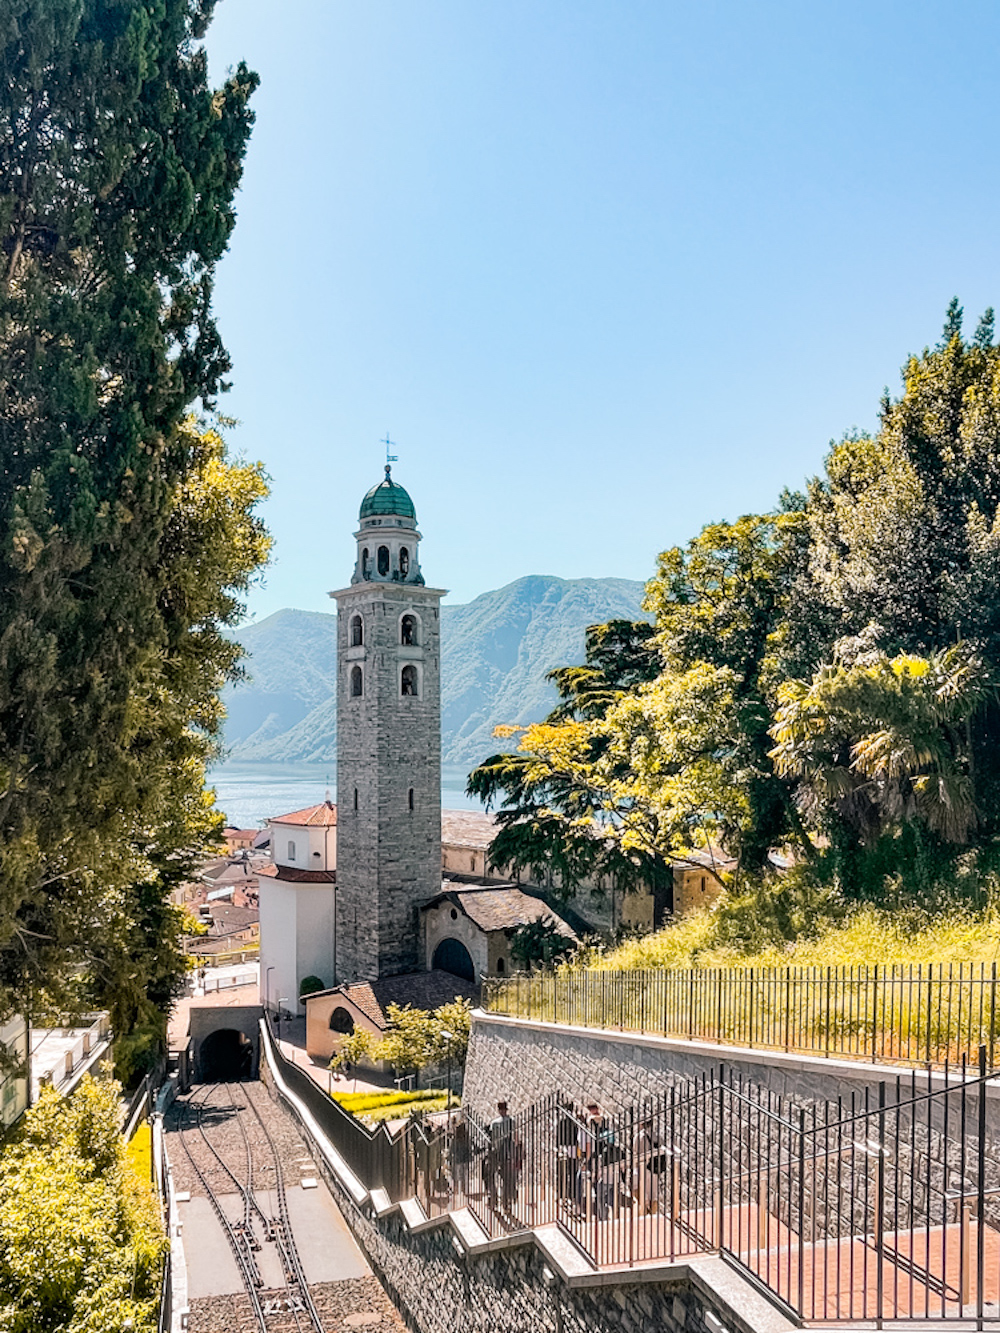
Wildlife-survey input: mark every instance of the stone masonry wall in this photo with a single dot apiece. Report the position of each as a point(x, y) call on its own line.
point(523, 1062)
point(388, 855)
point(509, 1290)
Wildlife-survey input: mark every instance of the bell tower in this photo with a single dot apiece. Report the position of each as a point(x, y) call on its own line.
point(388, 743)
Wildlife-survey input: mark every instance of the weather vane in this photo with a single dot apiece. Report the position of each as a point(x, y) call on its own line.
point(389, 458)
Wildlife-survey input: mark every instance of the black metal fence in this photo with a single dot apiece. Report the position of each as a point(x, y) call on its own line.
point(923, 1016)
point(882, 1207)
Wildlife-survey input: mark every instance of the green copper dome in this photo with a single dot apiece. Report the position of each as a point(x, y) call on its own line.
point(387, 498)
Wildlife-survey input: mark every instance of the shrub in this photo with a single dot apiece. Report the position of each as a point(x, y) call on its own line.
point(309, 986)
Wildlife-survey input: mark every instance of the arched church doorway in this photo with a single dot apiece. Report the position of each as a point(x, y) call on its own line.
point(452, 956)
point(226, 1054)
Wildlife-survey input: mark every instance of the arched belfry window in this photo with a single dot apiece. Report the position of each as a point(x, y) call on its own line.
point(408, 681)
point(404, 562)
point(357, 632)
point(408, 631)
point(357, 683)
point(383, 560)
point(366, 563)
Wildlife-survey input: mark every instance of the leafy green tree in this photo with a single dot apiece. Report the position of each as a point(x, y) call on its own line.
point(539, 944)
point(414, 1039)
point(551, 795)
point(81, 1245)
point(126, 535)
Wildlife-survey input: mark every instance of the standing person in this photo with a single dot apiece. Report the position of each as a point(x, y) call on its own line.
point(567, 1154)
point(459, 1157)
point(504, 1159)
point(603, 1158)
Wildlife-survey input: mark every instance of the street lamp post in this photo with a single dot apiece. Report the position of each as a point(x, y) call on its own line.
point(449, 1037)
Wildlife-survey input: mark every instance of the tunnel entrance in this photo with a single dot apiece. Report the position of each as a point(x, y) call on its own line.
point(226, 1054)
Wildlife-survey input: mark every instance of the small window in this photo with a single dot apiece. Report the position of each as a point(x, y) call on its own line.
point(355, 799)
point(383, 560)
point(454, 915)
point(703, 883)
point(409, 798)
point(291, 851)
point(357, 683)
point(472, 863)
point(500, 965)
point(366, 563)
point(341, 1021)
point(404, 562)
point(408, 631)
point(357, 632)
point(408, 680)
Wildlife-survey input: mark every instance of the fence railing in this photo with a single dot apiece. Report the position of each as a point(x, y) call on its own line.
point(884, 1207)
point(925, 1016)
point(374, 1155)
point(881, 1207)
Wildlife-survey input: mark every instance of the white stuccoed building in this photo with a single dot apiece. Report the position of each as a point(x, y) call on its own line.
point(297, 920)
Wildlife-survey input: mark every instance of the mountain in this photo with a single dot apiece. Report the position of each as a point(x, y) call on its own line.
point(495, 652)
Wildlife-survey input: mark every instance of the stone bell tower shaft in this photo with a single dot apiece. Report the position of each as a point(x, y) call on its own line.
point(388, 744)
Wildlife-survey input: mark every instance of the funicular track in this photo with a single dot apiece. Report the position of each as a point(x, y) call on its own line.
point(271, 1310)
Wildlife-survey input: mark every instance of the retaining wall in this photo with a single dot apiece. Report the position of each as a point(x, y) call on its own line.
point(518, 1285)
point(522, 1061)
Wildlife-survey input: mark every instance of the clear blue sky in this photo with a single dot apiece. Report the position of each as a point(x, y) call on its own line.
point(606, 271)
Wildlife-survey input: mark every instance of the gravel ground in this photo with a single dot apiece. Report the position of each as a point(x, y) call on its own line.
point(222, 1122)
point(345, 1307)
point(355, 1304)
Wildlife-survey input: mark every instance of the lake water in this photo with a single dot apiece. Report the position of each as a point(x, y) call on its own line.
point(250, 793)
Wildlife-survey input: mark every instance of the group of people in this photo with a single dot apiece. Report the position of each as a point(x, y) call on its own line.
point(595, 1171)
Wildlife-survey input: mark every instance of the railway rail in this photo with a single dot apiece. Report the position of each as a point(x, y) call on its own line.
point(259, 1226)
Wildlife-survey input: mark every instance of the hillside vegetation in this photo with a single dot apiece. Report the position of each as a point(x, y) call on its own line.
point(495, 653)
point(864, 936)
point(821, 682)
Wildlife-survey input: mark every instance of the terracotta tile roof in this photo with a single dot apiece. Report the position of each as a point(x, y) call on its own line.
point(704, 856)
point(293, 876)
point(232, 833)
point(422, 990)
point(226, 918)
point(467, 828)
point(314, 816)
point(499, 908)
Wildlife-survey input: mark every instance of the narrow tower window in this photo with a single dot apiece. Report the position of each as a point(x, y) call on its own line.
point(408, 631)
point(355, 800)
point(366, 563)
point(408, 680)
point(357, 632)
point(410, 798)
point(404, 562)
point(357, 683)
point(383, 560)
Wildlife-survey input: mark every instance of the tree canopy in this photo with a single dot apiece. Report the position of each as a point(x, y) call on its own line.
point(127, 534)
point(822, 679)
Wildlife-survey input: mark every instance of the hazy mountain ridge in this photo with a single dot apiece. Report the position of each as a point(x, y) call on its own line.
point(494, 656)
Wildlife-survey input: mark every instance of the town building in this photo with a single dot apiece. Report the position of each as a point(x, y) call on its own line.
point(297, 904)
